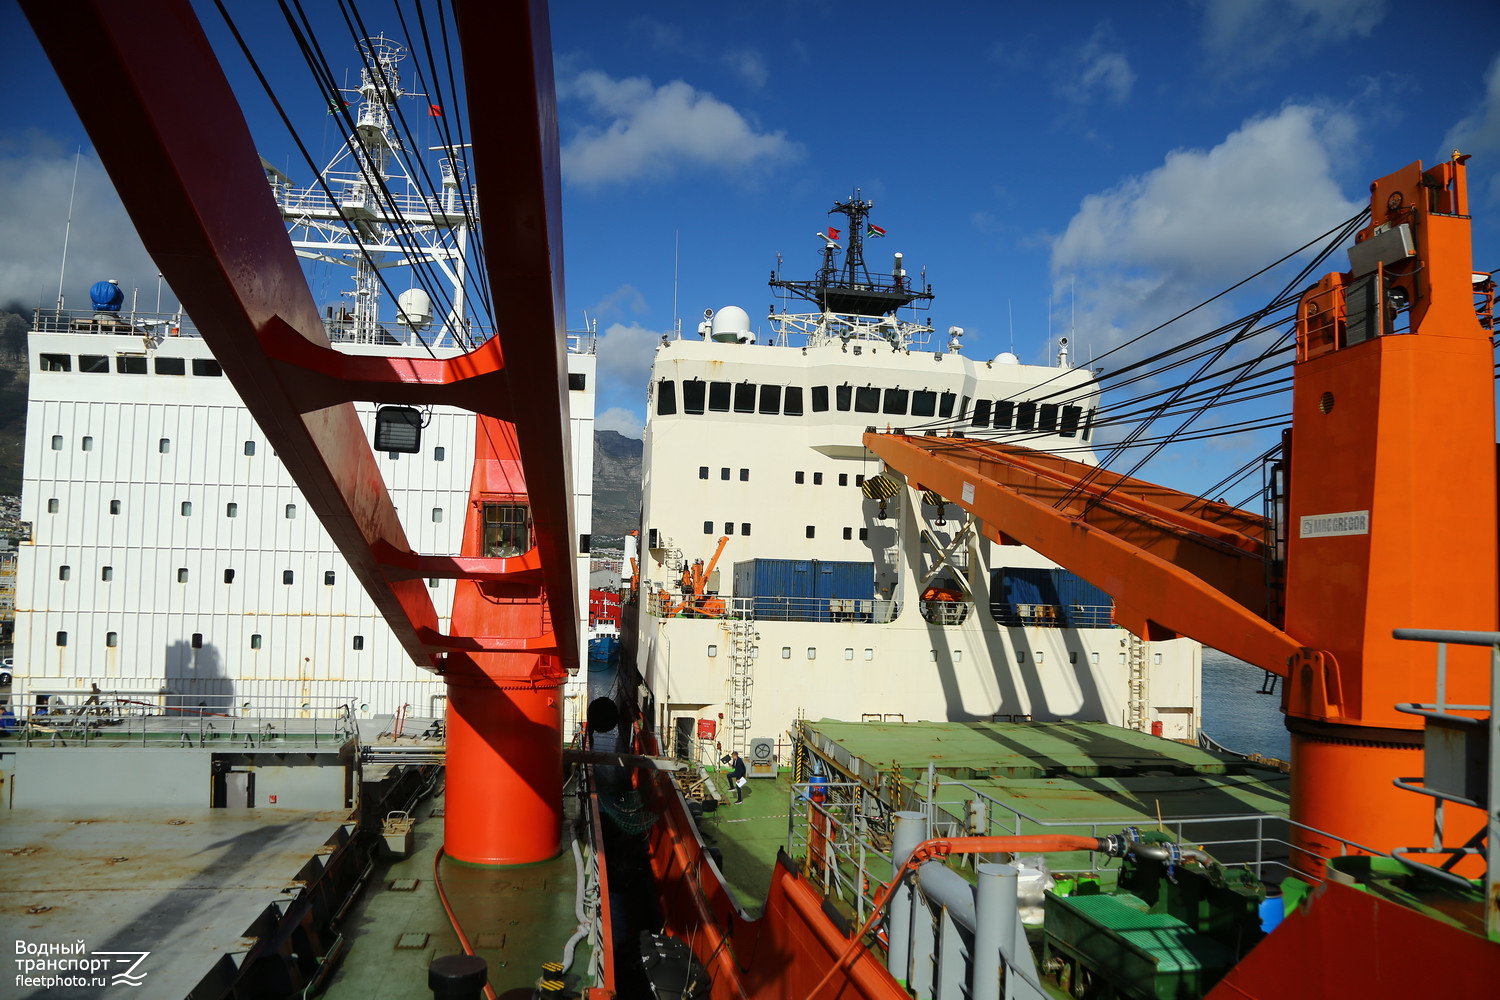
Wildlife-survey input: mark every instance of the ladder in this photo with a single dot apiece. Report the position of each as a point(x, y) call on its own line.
point(742, 639)
point(1138, 706)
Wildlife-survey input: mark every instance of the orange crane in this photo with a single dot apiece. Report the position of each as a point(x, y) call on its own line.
point(1389, 515)
point(697, 603)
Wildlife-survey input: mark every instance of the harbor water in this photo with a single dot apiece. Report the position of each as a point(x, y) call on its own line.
point(1235, 713)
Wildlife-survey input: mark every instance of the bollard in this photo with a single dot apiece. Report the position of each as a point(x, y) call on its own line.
point(457, 977)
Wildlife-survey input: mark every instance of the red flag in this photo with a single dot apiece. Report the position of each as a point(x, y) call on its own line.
point(833, 234)
point(433, 111)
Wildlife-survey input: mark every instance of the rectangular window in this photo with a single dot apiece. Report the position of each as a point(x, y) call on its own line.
point(1026, 417)
point(981, 417)
point(229, 576)
point(811, 531)
point(844, 396)
point(53, 505)
point(255, 641)
point(208, 367)
point(577, 381)
point(583, 543)
point(744, 527)
point(87, 444)
point(111, 639)
point(817, 479)
point(432, 582)
point(819, 398)
point(945, 404)
point(848, 534)
point(1088, 425)
point(1071, 415)
point(187, 508)
point(692, 395)
point(801, 478)
point(130, 364)
point(666, 398)
point(197, 640)
point(923, 403)
point(744, 397)
point(724, 475)
point(249, 447)
point(93, 364)
point(182, 574)
point(507, 530)
point(708, 527)
point(792, 401)
point(328, 578)
point(287, 576)
point(864, 534)
point(702, 472)
point(106, 573)
point(164, 446)
point(770, 400)
point(65, 572)
point(437, 515)
point(56, 362)
point(231, 510)
point(1004, 413)
point(57, 442)
point(114, 506)
point(843, 479)
point(867, 399)
point(439, 454)
point(744, 475)
point(1047, 417)
point(289, 512)
point(718, 397)
point(359, 640)
point(62, 638)
point(728, 527)
point(171, 366)
point(895, 402)
point(963, 408)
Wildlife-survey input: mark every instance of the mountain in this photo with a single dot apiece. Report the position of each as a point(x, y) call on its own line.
point(617, 487)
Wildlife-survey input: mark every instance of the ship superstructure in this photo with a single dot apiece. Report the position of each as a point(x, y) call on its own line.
point(172, 558)
point(840, 590)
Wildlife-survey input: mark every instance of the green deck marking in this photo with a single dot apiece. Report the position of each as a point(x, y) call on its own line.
point(750, 833)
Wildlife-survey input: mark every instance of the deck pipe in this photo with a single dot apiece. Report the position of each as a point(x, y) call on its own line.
point(996, 920)
point(909, 830)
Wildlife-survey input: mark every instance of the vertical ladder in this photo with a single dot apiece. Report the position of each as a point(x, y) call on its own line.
point(1138, 705)
point(742, 639)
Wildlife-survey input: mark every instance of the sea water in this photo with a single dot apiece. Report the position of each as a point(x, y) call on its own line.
point(1235, 714)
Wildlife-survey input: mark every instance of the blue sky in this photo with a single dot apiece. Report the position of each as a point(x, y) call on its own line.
point(1121, 161)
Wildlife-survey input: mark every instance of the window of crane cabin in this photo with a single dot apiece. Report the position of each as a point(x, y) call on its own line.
point(692, 395)
point(666, 398)
point(718, 397)
point(507, 529)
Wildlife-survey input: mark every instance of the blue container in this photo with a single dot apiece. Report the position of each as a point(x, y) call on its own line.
point(780, 589)
point(844, 580)
point(1074, 602)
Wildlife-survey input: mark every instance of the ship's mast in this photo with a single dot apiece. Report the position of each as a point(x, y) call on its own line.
point(367, 212)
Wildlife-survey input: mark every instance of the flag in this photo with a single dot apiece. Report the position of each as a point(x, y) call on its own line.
point(874, 230)
point(833, 234)
point(336, 104)
point(433, 111)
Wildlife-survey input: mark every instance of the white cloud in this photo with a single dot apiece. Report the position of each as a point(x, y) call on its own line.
point(618, 302)
point(1094, 72)
point(1479, 131)
point(37, 176)
point(1157, 243)
point(641, 130)
point(625, 354)
point(750, 65)
point(617, 418)
point(1241, 35)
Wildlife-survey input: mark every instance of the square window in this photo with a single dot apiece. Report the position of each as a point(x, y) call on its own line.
point(848, 653)
point(702, 472)
point(713, 650)
point(843, 479)
point(867, 399)
point(744, 527)
point(57, 362)
point(287, 576)
point(728, 527)
point(507, 530)
point(62, 638)
point(724, 475)
point(249, 447)
point(182, 574)
point(786, 652)
point(958, 656)
point(432, 582)
point(1072, 657)
point(801, 478)
point(577, 381)
point(106, 573)
point(869, 654)
point(812, 652)
point(859, 480)
point(65, 572)
point(255, 641)
point(864, 534)
point(810, 531)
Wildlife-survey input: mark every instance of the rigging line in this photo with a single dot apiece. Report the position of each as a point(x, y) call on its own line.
point(1242, 393)
point(1276, 263)
point(1263, 422)
point(1238, 474)
point(402, 232)
point(1348, 230)
point(286, 120)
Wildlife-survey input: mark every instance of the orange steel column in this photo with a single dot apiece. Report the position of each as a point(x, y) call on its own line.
point(1391, 505)
point(504, 740)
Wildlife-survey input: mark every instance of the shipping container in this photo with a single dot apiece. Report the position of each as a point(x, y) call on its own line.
point(806, 590)
point(1026, 596)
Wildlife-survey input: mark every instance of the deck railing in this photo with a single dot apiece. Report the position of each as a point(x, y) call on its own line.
point(115, 718)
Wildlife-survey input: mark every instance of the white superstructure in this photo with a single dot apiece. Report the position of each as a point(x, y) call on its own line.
point(171, 557)
point(760, 444)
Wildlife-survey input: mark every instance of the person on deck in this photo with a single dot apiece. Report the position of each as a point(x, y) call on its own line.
point(737, 775)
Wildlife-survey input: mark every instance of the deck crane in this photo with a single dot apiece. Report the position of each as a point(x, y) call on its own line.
point(695, 578)
point(1390, 502)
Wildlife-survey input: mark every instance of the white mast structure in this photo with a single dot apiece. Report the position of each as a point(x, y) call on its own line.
point(378, 217)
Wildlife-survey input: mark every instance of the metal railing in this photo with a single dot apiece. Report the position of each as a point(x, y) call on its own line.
point(664, 603)
point(115, 718)
point(1053, 615)
point(140, 323)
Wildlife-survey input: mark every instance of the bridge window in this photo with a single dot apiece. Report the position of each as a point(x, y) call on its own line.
point(1005, 411)
point(93, 364)
point(981, 417)
point(207, 367)
point(1047, 417)
point(923, 403)
point(819, 398)
point(843, 395)
point(1026, 417)
point(895, 402)
point(770, 399)
point(718, 397)
point(1070, 418)
point(56, 362)
point(171, 366)
point(963, 408)
point(577, 381)
point(792, 401)
point(744, 397)
point(945, 404)
point(692, 395)
point(507, 529)
point(666, 398)
point(130, 364)
point(867, 399)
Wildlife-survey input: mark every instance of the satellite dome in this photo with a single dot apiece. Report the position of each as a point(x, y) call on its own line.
point(106, 296)
point(1007, 358)
point(415, 308)
point(731, 324)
